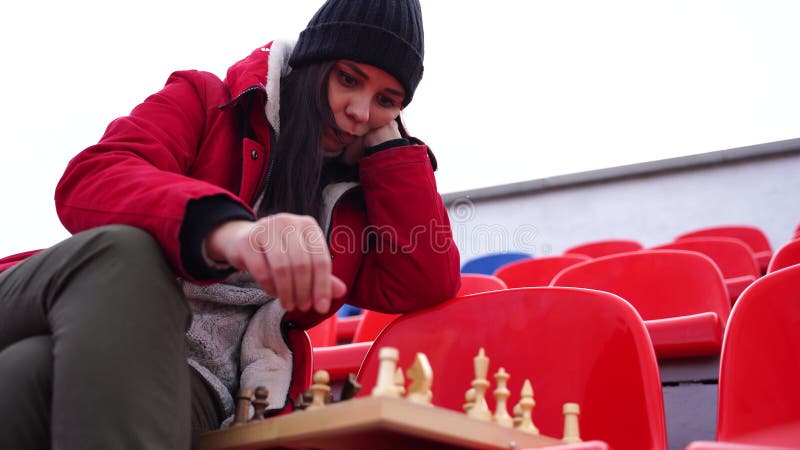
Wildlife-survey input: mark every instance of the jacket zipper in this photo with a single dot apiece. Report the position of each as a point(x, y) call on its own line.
point(235, 99)
point(265, 184)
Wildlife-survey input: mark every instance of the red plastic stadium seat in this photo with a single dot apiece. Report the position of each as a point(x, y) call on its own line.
point(787, 255)
point(346, 327)
point(703, 445)
point(750, 235)
point(340, 360)
point(302, 368)
point(733, 257)
point(371, 324)
point(760, 368)
point(680, 295)
point(8, 261)
point(536, 271)
point(591, 445)
point(343, 359)
point(471, 283)
point(488, 263)
point(575, 345)
point(323, 334)
point(596, 249)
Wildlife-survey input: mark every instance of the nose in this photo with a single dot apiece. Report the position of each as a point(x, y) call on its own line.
point(358, 109)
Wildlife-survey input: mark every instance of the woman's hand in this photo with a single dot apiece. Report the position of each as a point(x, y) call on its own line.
point(374, 137)
point(285, 253)
point(382, 134)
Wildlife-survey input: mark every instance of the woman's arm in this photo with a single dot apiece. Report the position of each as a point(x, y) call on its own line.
point(138, 173)
point(412, 261)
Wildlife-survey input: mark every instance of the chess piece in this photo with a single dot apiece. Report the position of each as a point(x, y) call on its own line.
point(480, 410)
point(469, 398)
point(517, 411)
point(526, 404)
point(320, 389)
point(571, 432)
point(399, 382)
point(384, 385)
point(501, 394)
point(243, 399)
point(260, 403)
point(351, 387)
point(421, 375)
point(303, 400)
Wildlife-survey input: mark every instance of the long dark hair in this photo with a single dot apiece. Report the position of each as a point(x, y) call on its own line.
point(297, 177)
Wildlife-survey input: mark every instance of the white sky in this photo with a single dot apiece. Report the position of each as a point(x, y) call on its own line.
point(513, 90)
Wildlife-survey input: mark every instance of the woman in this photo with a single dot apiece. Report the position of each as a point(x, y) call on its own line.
point(273, 196)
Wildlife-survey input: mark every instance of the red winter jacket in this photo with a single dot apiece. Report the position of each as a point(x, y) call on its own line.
point(391, 241)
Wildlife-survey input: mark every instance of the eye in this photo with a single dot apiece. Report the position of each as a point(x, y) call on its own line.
point(386, 101)
point(346, 79)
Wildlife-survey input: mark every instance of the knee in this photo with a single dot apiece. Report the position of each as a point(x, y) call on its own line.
point(126, 243)
point(26, 367)
point(128, 265)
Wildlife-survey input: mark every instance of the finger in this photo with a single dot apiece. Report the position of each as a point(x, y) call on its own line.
point(338, 288)
point(301, 268)
point(253, 259)
point(281, 269)
point(321, 268)
point(270, 241)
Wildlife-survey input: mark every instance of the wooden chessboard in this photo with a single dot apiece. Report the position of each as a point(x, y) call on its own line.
point(368, 423)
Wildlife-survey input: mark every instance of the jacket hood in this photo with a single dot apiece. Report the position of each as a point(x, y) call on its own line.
point(262, 70)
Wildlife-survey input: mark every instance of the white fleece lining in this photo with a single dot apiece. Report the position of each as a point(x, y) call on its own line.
point(266, 360)
point(279, 54)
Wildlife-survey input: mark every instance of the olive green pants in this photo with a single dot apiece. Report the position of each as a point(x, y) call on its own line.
point(92, 352)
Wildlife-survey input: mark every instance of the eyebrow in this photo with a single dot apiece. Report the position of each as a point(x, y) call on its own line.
point(361, 73)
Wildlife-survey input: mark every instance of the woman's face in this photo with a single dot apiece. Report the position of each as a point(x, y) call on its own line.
point(362, 98)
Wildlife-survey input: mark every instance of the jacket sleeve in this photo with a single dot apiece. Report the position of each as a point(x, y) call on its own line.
point(411, 261)
point(138, 173)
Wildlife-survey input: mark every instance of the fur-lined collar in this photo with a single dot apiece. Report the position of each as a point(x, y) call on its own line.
point(278, 63)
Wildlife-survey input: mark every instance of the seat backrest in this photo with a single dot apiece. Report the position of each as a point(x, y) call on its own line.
point(658, 283)
point(487, 264)
point(323, 334)
point(373, 322)
point(302, 365)
point(575, 345)
point(787, 255)
point(473, 283)
point(596, 249)
point(536, 271)
point(760, 367)
point(733, 257)
point(754, 237)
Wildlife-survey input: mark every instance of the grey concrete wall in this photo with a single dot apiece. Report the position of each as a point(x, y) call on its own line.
point(651, 203)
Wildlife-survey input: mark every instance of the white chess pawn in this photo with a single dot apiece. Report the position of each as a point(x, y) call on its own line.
point(517, 412)
point(469, 399)
point(385, 384)
point(501, 394)
point(480, 410)
point(572, 434)
point(320, 389)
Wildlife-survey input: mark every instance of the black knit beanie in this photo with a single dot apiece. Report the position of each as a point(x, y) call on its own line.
point(383, 33)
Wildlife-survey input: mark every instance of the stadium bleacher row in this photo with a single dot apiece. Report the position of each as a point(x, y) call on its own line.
point(618, 328)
